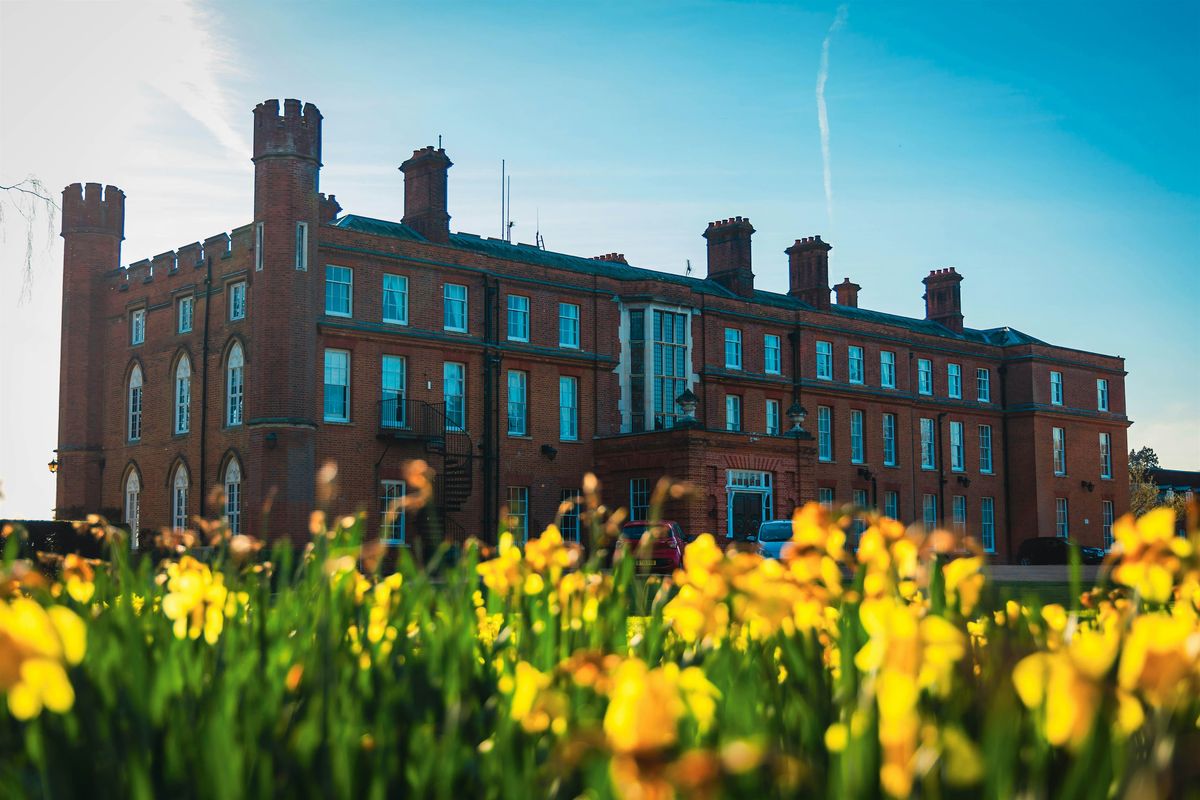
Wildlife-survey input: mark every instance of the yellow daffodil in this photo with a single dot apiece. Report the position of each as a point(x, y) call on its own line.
point(36, 646)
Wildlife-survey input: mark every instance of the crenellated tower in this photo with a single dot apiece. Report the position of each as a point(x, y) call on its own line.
point(283, 374)
point(93, 226)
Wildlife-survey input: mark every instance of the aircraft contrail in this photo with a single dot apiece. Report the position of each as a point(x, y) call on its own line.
point(822, 114)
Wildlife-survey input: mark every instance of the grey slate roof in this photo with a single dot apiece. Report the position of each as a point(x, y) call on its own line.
point(528, 254)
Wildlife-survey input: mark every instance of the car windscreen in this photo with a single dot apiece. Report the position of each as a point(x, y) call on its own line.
point(636, 531)
point(775, 532)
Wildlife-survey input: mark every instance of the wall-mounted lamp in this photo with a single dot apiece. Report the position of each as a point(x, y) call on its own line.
point(964, 481)
point(865, 473)
point(1087, 485)
point(53, 465)
point(549, 451)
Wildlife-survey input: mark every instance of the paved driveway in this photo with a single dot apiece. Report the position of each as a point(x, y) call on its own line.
point(1041, 574)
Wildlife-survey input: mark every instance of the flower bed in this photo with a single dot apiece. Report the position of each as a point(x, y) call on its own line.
point(528, 672)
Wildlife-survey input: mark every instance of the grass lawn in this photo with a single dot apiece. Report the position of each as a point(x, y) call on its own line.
point(998, 593)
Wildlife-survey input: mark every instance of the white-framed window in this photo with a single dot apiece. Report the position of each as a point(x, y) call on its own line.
point(954, 381)
point(1059, 437)
point(337, 386)
point(1101, 394)
point(235, 390)
point(887, 369)
point(854, 359)
point(733, 348)
point(568, 408)
point(824, 361)
point(179, 498)
point(859, 498)
point(639, 499)
point(924, 376)
point(518, 318)
point(183, 395)
point(135, 404)
point(518, 512)
point(1105, 455)
point(1106, 522)
point(958, 457)
point(733, 412)
point(237, 301)
point(928, 448)
point(518, 402)
point(891, 504)
point(824, 433)
point(670, 364)
point(339, 291)
point(568, 524)
point(889, 440)
point(302, 246)
point(1056, 388)
point(133, 506)
point(987, 524)
point(825, 496)
point(929, 511)
point(454, 308)
point(774, 422)
point(1062, 519)
point(983, 385)
point(258, 247)
point(958, 514)
point(395, 299)
point(857, 448)
point(393, 380)
point(772, 355)
point(184, 310)
point(454, 392)
point(137, 326)
point(985, 449)
point(568, 325)
point(391, 511)
point(233, 496)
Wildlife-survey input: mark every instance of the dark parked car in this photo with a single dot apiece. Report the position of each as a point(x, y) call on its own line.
point(1054, 550)
point(664, 555)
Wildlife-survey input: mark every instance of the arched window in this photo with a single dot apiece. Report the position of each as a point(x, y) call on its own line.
point(233, 386)
point(135, 404)
point(179, 498)
point(233, 496)
point(183, 395)
point(133, 505)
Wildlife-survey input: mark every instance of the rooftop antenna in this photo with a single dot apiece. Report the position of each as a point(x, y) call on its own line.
point(503, 210)
point(439, 141)
point(689, 267)
point(538, 241)
point(508, 204)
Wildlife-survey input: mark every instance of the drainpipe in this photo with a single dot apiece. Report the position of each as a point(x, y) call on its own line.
point(490, 477)
point(1008, 541)
point(941, 461)
point(204, 378)
point(914, 453)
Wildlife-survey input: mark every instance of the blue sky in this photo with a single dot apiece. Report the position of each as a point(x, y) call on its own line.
point(1047, 151)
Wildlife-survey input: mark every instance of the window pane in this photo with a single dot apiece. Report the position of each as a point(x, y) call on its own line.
point(337, 386)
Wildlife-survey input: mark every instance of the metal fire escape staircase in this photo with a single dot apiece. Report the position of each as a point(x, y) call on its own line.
point(416, 420)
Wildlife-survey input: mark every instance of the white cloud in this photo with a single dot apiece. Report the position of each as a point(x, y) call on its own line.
point(120, 92)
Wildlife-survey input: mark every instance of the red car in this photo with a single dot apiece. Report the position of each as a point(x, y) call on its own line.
point(663, 555)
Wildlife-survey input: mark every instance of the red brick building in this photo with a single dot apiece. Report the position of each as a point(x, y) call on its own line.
point(306, 337)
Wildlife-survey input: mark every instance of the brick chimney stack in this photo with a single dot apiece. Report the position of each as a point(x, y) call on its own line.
point(847, 293)
point(615, 258)
point(943, 302)
point(808, 271)
point(425, 193)
point(729, 255)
